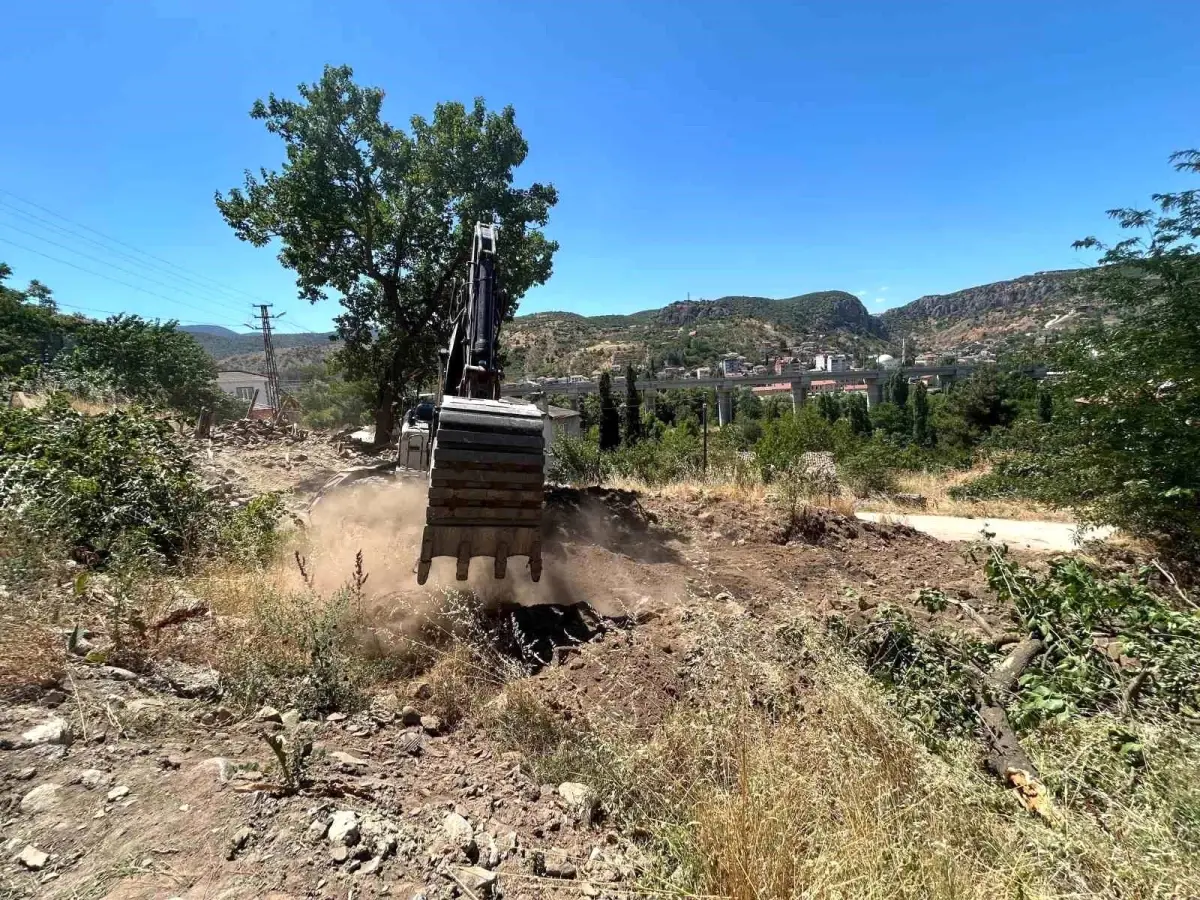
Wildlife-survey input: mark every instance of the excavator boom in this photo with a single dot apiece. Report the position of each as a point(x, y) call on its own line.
point(487, 465)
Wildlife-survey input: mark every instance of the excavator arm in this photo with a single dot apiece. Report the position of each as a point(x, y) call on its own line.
point(487, 464)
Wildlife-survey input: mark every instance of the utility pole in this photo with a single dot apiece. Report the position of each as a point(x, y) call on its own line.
point(272, 371)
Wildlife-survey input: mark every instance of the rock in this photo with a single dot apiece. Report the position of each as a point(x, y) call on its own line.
point(223, 716)
point(55, 731)
point(371, 866)
point(336, 717)
point(240, 838)
point(118, 793)
point(145, 712)
point(411, 743)
point(32, 858)
point(316, 831)
point(579, 797)
point(25, 774)
point(351, 765)
point(477, 880)
point(409, 716)
point(52, 699)
point(432, 725)
point(554, 864)
point(344, 830)
point(93, 778)
point(339, 854)
point(269, 714)
point(291, 718)
point(220, 767)
point(191, 682)
point(458, 832)
point(114, 672)
point(422, 690)
point(41, 798)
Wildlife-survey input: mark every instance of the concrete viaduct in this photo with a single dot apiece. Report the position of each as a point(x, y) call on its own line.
point(725, 386)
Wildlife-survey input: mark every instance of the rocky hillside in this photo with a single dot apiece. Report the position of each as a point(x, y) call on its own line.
point(689, 333)
point(700, 332)
point(1041, 294)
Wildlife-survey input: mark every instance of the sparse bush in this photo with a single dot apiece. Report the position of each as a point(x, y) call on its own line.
point(870, 470)
point(301, 650)
point(576, 461)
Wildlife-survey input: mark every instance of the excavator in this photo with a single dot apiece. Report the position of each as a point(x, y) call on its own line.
point(486, 456)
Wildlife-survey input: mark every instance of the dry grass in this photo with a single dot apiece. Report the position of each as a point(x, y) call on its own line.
point(935, 488)
point(757, 791)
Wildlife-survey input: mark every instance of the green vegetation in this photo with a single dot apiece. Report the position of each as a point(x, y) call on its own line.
point(121, 358)
point(116, 483)
point(376, 215)
point(1128, 451)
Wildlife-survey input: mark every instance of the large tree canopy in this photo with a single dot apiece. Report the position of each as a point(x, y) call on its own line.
point(1124, 446)
point(383, 218)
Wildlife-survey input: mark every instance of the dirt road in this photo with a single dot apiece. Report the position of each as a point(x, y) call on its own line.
point(1044, 536)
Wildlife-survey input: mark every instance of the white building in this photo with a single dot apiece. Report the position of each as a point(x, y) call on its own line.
point(831, 362)
point(243, 385)
point(704, 372)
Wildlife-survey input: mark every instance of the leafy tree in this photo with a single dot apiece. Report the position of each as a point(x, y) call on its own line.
point(858, 414)
point(610, 423)
point(1129, 453)
point(30, 333)
point(633, 409)
point(747, 405)
point(41, 295)
point(1045, 406)
point(384, 218)
point(896, 389)
point(152, 362)
point(922, 429)
point(892, 420)
point(828, 407)
point(984, 401)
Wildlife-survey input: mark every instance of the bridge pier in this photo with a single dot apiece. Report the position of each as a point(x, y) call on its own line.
point(650, 401)
point(944, 382)
point(577, 402)
point(724, 406)
point(874, 392)
point(799, 395)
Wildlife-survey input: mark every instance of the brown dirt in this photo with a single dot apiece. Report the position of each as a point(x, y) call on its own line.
point(613, 626)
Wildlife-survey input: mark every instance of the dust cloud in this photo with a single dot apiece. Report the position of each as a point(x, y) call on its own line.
point(385, 521)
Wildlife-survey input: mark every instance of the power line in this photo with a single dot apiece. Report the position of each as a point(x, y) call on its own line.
point(129, 246)
point(109, 278)
point(188, 276)
point(41, 222)
point(104, 262)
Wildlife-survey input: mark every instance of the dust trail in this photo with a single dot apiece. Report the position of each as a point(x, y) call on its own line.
point(385, 522)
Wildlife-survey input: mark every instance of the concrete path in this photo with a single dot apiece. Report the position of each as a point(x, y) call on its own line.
point(1047, 536)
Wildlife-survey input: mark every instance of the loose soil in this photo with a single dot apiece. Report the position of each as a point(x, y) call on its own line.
point(162, 792)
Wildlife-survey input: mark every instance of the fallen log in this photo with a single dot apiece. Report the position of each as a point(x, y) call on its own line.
point(1002, 679)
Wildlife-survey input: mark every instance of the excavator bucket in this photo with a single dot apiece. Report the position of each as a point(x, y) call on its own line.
point(485, 486)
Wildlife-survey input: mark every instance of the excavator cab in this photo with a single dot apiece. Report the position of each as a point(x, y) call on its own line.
point(487, 465)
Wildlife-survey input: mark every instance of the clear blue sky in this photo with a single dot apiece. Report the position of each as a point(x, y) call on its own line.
point(888, 148)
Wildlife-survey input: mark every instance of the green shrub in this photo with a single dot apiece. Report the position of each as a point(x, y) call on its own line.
point(870, 470)
point(115, 482)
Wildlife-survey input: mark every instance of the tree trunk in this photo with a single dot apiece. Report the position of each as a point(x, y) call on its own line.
point(385, 415)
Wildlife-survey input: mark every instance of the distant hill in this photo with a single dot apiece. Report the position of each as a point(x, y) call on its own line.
point(221, 342)
point(700, 332)
point(688, 333)
point(216, 330)
point(987, 311)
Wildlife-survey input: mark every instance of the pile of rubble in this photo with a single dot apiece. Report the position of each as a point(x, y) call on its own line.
point(257, 433)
